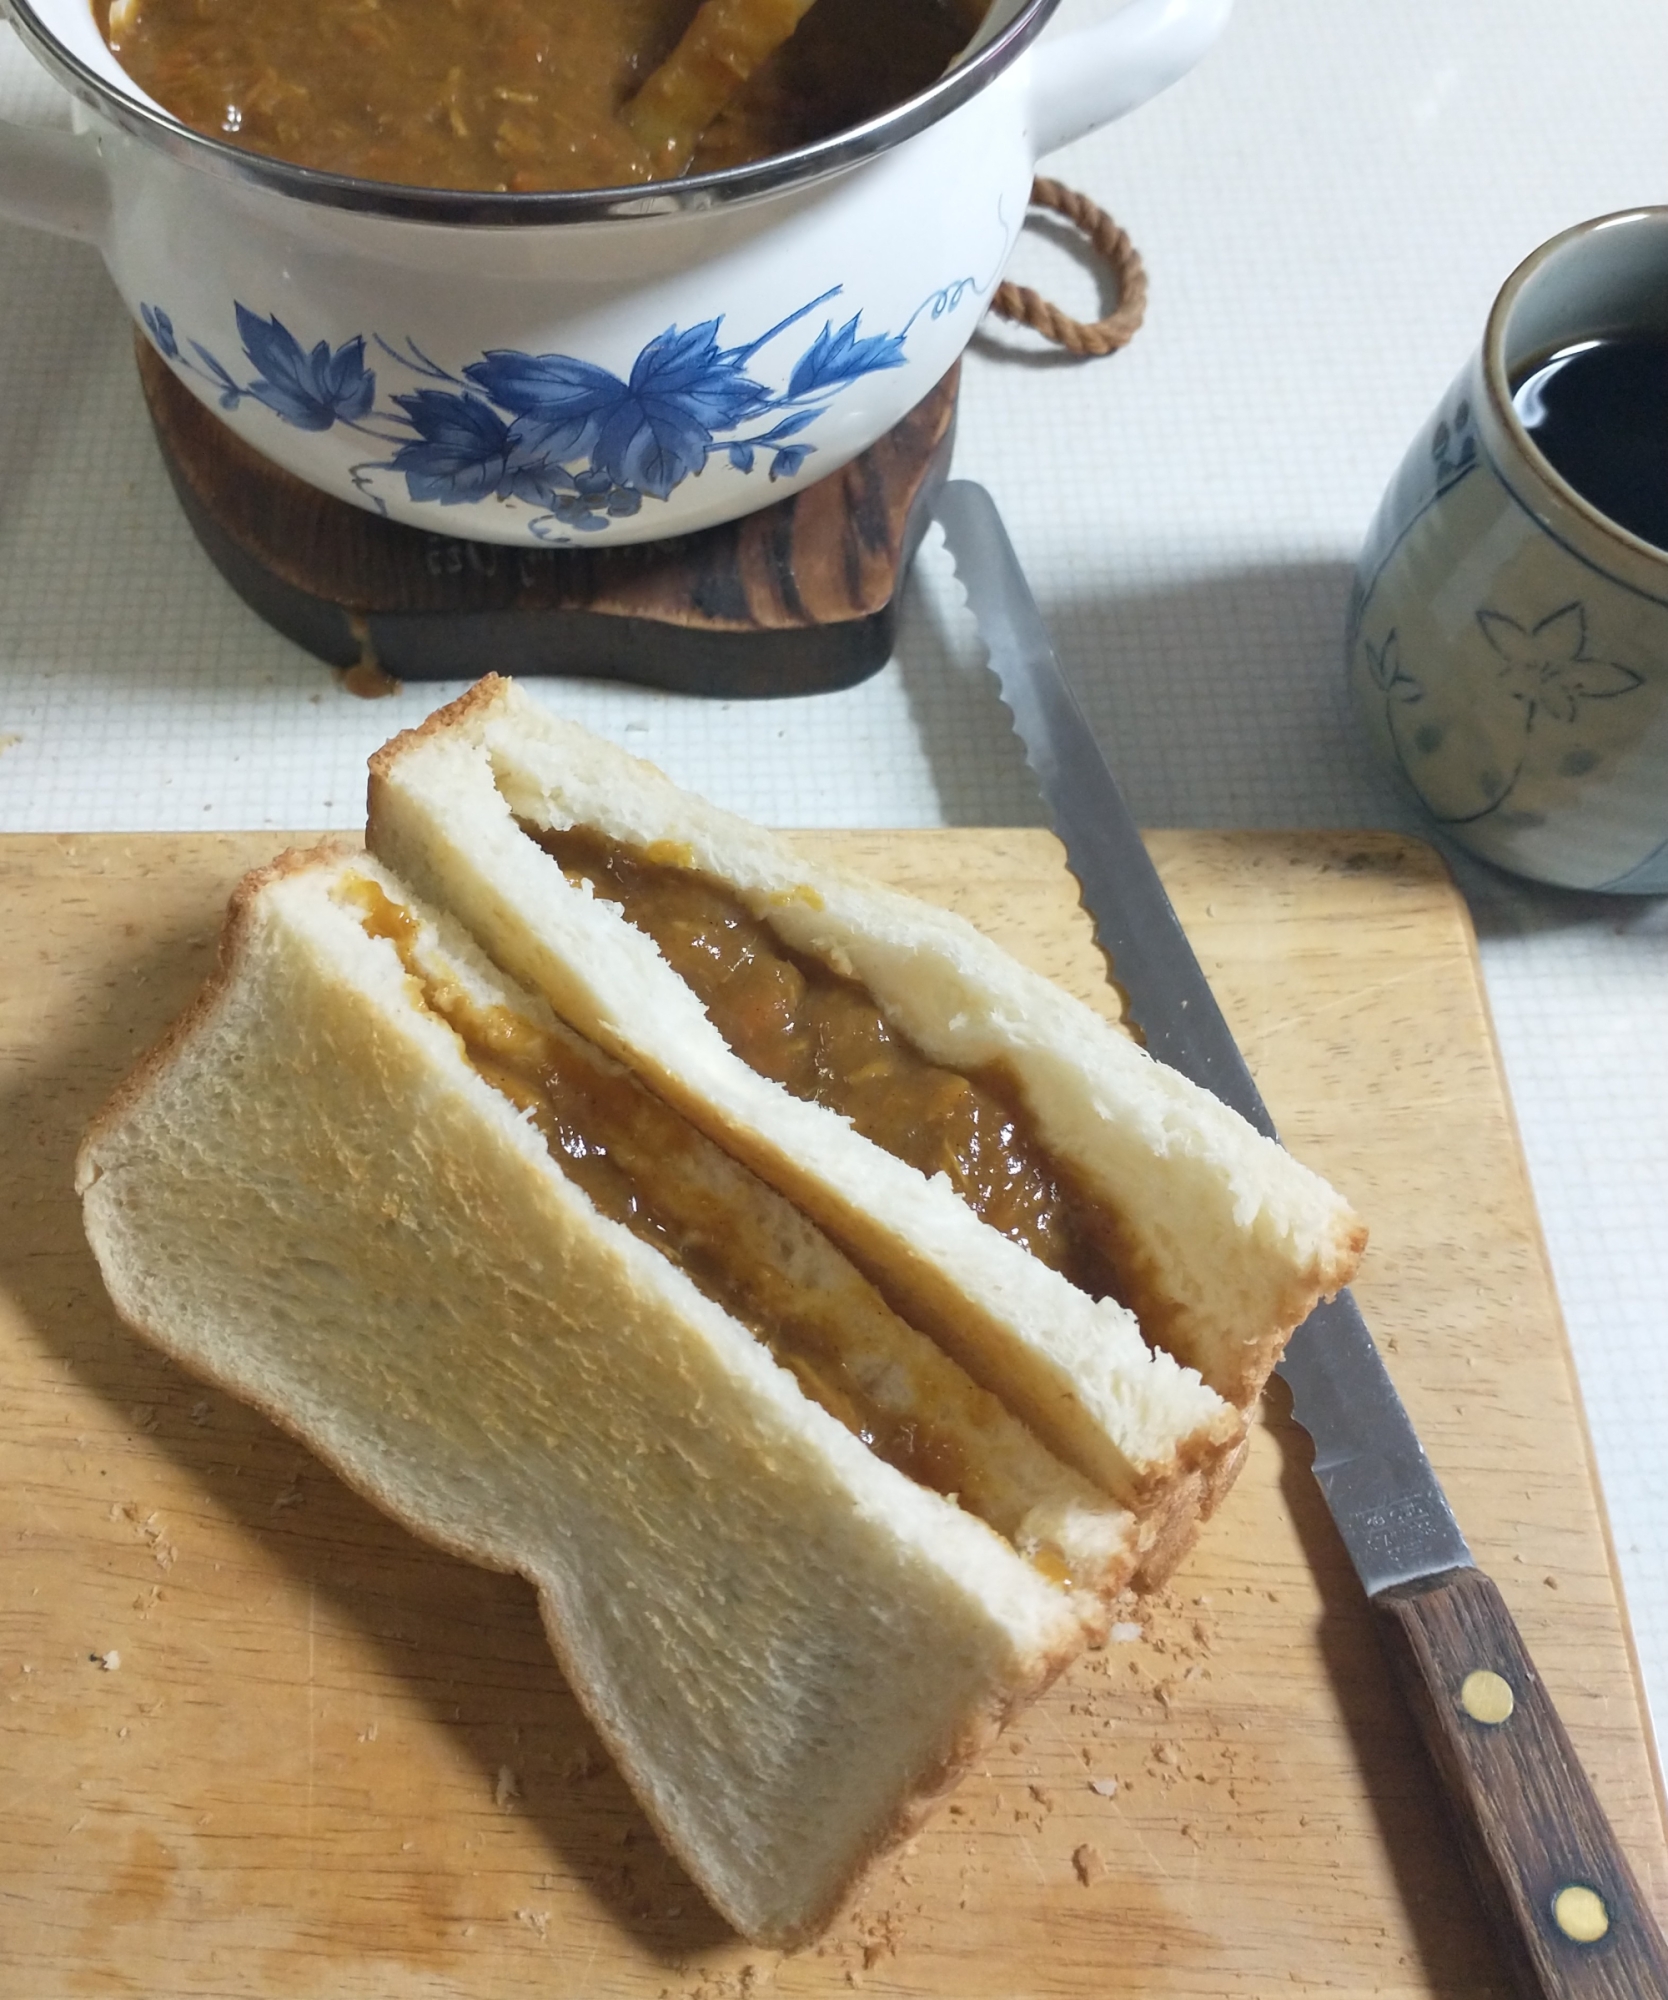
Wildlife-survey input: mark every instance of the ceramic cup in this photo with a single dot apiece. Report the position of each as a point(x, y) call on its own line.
point(1508, 643)
point(579, 368)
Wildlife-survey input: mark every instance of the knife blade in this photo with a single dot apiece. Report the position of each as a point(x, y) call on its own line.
point(1564, 1901)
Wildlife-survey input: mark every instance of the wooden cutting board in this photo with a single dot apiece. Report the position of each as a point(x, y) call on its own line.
point(255, 1741)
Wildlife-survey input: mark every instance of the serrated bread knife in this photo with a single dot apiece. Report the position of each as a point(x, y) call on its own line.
point(1563, 1899)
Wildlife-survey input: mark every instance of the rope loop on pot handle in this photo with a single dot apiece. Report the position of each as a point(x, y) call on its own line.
point(1084, 338)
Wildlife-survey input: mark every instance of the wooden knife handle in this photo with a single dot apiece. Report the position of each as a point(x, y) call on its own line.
point(1563, 1899)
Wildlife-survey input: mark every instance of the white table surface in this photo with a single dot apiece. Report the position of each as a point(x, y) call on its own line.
point(1326, 209)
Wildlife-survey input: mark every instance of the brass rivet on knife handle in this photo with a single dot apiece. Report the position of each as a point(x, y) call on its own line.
point(1486, 1697)
point(1567, 1909)
point(1579, 1913)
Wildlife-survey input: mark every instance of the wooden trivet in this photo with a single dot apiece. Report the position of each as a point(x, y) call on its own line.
point(795, 599)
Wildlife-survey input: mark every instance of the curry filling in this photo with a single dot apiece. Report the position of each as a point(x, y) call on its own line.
point(644, 1166)
point(823, 1037)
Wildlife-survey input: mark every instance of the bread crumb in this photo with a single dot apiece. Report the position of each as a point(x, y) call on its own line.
point(537, 1921)
point(1087, 1862)
point(1107, 1787)
point(1042, 1795)
point(507, 1790)
point(1551, 1582)
point(291, 1495)
point(109, 1662)
point(1124, 1632)
point(163, 1553)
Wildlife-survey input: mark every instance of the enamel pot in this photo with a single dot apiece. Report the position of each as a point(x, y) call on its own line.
point(578, 368)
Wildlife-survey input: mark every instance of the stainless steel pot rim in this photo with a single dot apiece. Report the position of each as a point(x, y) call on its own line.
point(459, 208)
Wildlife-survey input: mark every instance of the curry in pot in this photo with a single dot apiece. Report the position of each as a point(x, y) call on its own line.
point(519, 96)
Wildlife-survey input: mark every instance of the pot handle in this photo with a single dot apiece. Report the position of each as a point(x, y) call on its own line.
point(1084, 80)
point(54, 180)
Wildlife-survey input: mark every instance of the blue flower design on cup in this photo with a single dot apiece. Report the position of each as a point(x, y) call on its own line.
point(555, 432)
point(1541, 667)
point(1547, 668)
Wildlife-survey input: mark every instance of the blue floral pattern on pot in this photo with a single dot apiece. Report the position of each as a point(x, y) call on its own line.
point(559, 433)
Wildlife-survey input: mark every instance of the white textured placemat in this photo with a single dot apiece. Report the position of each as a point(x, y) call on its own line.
point(1326, 209)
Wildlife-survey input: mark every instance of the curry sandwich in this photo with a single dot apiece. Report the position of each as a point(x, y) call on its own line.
point(741, 1253)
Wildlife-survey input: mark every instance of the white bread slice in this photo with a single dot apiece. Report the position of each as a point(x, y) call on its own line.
point(1225, 1241)
point(310, 1197)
